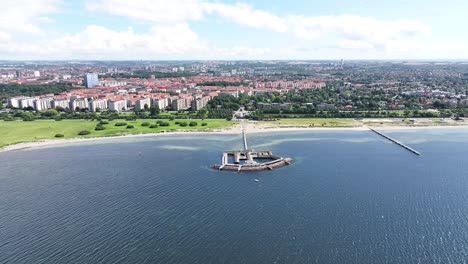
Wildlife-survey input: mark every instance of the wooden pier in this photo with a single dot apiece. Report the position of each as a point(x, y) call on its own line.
point(395, 141)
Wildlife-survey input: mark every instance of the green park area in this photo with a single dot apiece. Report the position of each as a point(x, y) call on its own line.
point(12, 132)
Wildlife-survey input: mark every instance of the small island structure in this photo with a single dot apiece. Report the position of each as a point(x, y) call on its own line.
point(246, 160)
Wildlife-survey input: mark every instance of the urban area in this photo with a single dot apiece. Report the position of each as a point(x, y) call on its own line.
point(217, 89)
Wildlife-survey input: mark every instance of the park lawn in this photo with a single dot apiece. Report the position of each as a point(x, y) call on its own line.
point(318, 122)
point(12, 132)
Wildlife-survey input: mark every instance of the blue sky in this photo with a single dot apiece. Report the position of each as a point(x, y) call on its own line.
point(205, 29)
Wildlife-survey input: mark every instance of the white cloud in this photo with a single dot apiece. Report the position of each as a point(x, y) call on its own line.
point(161, 41)
point(357, 28)
point(244, 14)
point(97, 42)
point(354, 45)
point(23, 16)
point(4, 37)
point(169, 32)
point(357, 32)
point(237, 52)
point(161, 11)
point(100, 42)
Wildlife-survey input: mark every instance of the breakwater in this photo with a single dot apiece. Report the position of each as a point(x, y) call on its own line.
point(395, 141)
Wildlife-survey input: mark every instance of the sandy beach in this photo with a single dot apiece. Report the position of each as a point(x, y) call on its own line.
point(250, 128)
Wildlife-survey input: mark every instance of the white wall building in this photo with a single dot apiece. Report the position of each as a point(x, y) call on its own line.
point(63, 103)
point(14, 102)
point(200, 102)
point(118, 106)
point(140, 104)
point(90, 80)
point(100, 104)
point(81, 103)
point(162, 103)
point(112, 83)
point(43, 104)
point(26, 102)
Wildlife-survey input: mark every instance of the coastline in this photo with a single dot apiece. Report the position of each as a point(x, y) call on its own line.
point(250, 128)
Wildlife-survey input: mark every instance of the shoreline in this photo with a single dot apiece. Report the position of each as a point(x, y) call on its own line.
point(250, 128)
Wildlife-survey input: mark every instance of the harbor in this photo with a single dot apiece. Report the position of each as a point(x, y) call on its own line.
point(249, 159)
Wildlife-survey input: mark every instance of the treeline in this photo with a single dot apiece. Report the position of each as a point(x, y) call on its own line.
point(220, 113)
point(146, 74)
point(224, 101)
point(222, 106)
point(10, 90)
point(262, 115)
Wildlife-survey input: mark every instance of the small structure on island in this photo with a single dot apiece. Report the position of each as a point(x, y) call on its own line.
point(249, 159)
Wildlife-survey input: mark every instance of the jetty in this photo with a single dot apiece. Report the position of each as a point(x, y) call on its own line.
point(249, 159)
point(395, 141)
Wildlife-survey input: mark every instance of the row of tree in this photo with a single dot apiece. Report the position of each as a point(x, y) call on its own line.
point(13, 89)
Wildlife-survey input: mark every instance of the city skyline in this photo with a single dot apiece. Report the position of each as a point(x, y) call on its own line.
point(231, 30)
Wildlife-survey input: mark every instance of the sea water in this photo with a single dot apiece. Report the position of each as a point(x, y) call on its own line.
point(348, 197)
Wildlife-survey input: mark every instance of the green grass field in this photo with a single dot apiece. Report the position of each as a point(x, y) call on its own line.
point(12, 132)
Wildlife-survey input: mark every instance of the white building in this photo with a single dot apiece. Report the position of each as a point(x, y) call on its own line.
point(162, 103)
point(63, 103)
point(90, 80)
point(43, 104)
point(118, 106)
point(112, 83)
point(26, 102)
point(200, 102)
point(37, 74)
point(181, 103)
point(81, 103)
point(140, 104)
point(100, 104)
point(14, 102)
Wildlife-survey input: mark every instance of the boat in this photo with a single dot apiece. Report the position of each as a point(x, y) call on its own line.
point(256, 180)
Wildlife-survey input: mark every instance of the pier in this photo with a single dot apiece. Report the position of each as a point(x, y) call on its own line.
point(395, 141)
point(246, 159)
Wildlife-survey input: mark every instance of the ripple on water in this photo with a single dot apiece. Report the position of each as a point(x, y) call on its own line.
point(347, 198)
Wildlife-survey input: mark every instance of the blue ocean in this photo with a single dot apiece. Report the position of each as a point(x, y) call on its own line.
point(348, 197)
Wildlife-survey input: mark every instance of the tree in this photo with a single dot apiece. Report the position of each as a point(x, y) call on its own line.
point(1, 105)
point(50, 113)
point(154, 110)
point(407, 113)
point(202, 113)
